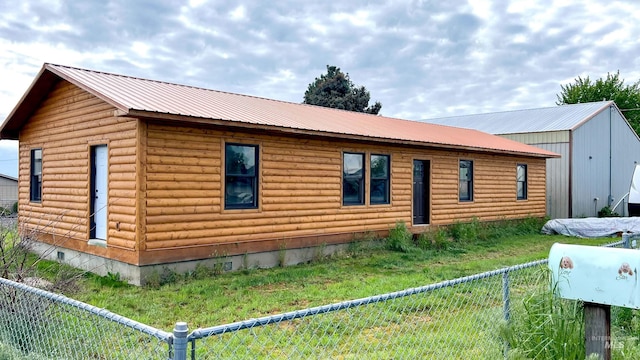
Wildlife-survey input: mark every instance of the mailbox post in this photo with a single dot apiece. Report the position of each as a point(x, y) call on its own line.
point(600, 277)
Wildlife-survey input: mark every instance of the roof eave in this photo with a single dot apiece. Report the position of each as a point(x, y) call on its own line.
point(25, 107)
point(44, 81)
point(592, 115)
point(143, 114)
point(86, 87)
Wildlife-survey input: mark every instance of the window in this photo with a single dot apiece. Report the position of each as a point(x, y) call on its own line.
point(35, 185)
point(241, 176)
point(521, 181)
point(353, 179)
point(466, 180)
point(379, 192)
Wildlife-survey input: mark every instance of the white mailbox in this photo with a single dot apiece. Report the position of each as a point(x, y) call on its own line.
point(599, 275)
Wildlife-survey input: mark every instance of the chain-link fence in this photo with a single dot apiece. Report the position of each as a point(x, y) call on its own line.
point(35, 324)
point(457, 319)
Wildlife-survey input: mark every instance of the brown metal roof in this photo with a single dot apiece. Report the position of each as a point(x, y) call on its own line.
point(148, 98)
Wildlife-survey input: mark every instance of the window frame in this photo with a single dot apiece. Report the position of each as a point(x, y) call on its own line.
point(35, 179)
point(255, 178)
point(524, 182)
point(385, 179)
point(467, 182)
point(360, 179)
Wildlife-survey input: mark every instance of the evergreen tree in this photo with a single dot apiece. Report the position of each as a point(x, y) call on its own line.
point(335, 90)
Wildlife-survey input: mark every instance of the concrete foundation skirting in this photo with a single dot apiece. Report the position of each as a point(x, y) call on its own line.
point(136, 275)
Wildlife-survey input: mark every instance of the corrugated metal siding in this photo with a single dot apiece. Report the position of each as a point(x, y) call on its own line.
point(556, 118)
point(626, 154)
point(8, 191)
point(590, 179)
point(550, 137)
point(602, 168)
point(557, 181)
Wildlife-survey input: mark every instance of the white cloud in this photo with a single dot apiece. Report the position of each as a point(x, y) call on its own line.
point(140, 48)
point(420, 59)
point(239, 13)
point(361, 18)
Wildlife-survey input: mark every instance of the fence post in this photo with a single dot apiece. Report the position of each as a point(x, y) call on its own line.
point(506, 307)
point(180, 332)
point(626, 240)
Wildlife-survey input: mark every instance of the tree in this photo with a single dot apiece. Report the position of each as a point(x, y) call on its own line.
point(335, 90)
point(626, 97)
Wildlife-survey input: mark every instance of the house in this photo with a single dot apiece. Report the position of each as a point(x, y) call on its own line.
point(8, 191)
point(129, 175)
point(598, 149)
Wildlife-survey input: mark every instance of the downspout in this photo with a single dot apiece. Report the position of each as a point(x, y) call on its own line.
point(570, 202)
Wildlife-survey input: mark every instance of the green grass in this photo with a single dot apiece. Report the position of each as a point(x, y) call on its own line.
point(372, 270)
point(453, 322)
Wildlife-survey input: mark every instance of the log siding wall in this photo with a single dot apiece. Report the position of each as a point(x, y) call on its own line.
point(65, 125)
point(166, 186)
point(300, 190)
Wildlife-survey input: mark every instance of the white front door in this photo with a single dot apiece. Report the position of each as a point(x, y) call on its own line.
point(99, 188)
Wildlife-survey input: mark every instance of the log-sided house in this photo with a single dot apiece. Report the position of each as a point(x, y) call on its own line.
point(129, 175)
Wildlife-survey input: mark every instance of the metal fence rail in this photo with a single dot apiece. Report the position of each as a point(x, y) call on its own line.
point(456, 319)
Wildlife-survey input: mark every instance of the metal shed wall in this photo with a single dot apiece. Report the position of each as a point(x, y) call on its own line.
point(8, 192)
point(605, 150)
point(557, 169)
point(626, 154)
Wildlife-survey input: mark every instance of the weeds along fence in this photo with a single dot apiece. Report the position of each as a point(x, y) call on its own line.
point(457, 319)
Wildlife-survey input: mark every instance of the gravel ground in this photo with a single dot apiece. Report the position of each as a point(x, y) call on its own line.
point(8, 221)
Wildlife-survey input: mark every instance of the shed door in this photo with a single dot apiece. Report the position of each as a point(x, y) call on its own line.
point(99, 176)
point(421, 176)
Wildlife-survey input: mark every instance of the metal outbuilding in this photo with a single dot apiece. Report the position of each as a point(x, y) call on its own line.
point(8, 191)
point(598, 146)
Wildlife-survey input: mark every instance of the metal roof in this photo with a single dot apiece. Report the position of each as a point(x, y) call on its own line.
point(137, 97)
point(8, 177)
point(556, 118)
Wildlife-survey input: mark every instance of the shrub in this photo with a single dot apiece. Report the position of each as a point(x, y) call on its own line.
point(434, 239)
point(400, 238)
point(467, 231)
point(607, 212)
point(15, 207)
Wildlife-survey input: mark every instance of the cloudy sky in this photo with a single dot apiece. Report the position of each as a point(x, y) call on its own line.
point(420, 59)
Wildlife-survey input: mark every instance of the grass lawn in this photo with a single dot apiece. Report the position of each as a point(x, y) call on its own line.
point(207, 299)
point(458, 322)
